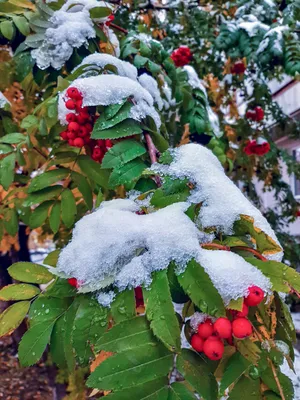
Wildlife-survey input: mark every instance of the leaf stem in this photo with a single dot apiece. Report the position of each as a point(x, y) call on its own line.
point(152, 150)
point(277, 381)
point(227, 248)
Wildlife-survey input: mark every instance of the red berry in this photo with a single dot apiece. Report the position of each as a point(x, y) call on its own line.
point(238, 68)
point(241, 328)
point(205, 329)
point(73, 127)
point(64, 135)
point(139, 298)
point(73, 282)
point(251, 114)
point(71, 142)
point(108, 143)
point(71, 135)
point(78, 142)
point(88, 127)
point(97, 152)
point(222, 327)
point(74, 93)
point(213, 348)
point(87, 140)
point(78, 104)
point(109, 20)
point(82, 132)
point(71, 117)
point(259, 113)
point(70, 104)
point(244, 311)
point(255, 296)
point(197, 343)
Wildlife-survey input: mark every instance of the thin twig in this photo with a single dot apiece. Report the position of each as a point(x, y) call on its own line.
point(249, 250)
point(152, 150)
point(227, 248)
point(277, 381)
point(214, 246)
point(118, 28)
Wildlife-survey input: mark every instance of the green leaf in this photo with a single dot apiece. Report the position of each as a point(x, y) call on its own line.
point(12, 317)
point(29, 272)
point(177, 294)
point(89, 324)
point(13, 138)
point(69, 317)
point(22, 24)
point(285, 383)
point(235, 367)
point(197, 373)
point(20, 291)
point(52, 258)
point(280, 275)
point(160, 311)
point(42, 195)
point(31, 121)
point(123, 307)
point(5, 149)
point(7, 170)
point(45, 309)
point(60, 288)
point(56, 343)
point(246, 389)
point(84, 187)
point(54, 217)
point(111, 110)
point(7, 29)
point(68, 208)
point(180, 391)
point(236, 304)
point(197, 284)
point(127, 335)
point(129, 127)
point(100, 12)
point(34, 342)
point(139, 61)
point(39, 215)
point(130, 368)
point(144, 391)
point(122, 153)
point(103, 123)
point(47, 178)
point(93, 170)
point(126, 173)
point(249, 350)
point(160, 199)
point(11, 221)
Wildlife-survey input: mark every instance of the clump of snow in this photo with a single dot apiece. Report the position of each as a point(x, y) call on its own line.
point(70, 27)
point(151, 85)
point(111, 89)
point(222, 202)
point(113, 40)
point(3, 101)
point(100, 60)
point(252, 25)
point(198, 318)
point(105, 299)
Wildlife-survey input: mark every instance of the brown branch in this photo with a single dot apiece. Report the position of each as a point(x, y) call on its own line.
point(119, 28)
point(249, 250)
point(214, 246)
point(152, 150)
point(227, 248)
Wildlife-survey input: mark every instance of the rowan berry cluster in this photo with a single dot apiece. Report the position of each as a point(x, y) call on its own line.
point(257, 114)
point(258, 149)
point(210, 336)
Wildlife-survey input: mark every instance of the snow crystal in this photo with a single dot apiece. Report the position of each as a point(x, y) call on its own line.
point(70, 27)
point(106, 298)
point(111, 89)
point(197, 318)
point(223, 202)
point(252, 25)
point(151, 85)
point(231, 274)
point(100, 60)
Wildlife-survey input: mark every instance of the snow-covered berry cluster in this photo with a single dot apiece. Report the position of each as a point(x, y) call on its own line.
point(257, 114)
point(238, 67)
point(259, 148)
point(210, 335)
point(182, 56)
point(80, 126)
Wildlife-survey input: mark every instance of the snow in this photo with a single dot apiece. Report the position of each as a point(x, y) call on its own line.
point(111, 89)
point(295, 377)
point(113, 40)
point(70, 27)
point(3, 101)
point(198, 318)
point(151, 85)
point(223, 202)
point(252, 25)
point(100, 60)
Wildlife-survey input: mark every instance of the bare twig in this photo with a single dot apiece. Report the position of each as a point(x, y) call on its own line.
point(118, 28)
point(152, 150)
point(214, 246)
point(227, 248)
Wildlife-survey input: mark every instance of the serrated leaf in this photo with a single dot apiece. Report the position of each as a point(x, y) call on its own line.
point(236, 304)
point(111, 110)
point(68, 208)
point(285, 383)
point(192, 367)
point(7, 170)
point(60, 288)
point(141, 392)
point(127, 335)
point(56, 343)
point(84, 187)
point(123, 306)
point(47, 178)
point(249, 350)
point(122, 153)
point(22, 24)
point(125, 370)
point(160, 311)
point(93, 170)
point(54, 217)
point(42, 195)
point(235, 367)
point(129, 127)
point(20, 291)
point(126, 173)
point(11, 221)
point(89, 324)
point(246, 389)
point(161, 199)
point(180, 391)
point(34, 342)
point(13, 138)
point(198, 285)
point(7, 29)
point(39, 215)
point(103, 123)
point(29, 272)
point(45, 309)
point(29, 122)
point(12, 317)
point(177, 293)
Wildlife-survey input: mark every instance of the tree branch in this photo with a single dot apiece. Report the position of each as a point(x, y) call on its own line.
point(119, 28)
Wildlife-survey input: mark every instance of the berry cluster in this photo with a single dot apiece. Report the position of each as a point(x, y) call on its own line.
point(254, 148)
point(238, 67)
point(209, 337)
point(80, 126)
point(257, 114)
point(182, 56)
